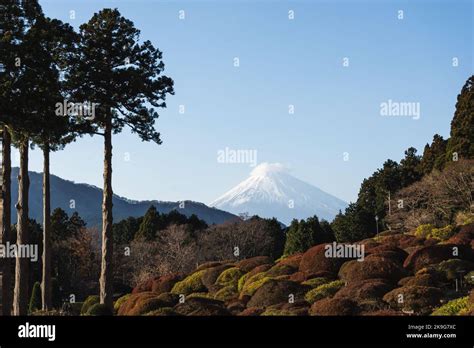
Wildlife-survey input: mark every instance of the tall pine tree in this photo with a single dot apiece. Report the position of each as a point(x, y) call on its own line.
point(51, 43)
point(122, 75)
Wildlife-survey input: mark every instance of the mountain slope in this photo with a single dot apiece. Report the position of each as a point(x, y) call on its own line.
point(271, 191)
point(88, 200)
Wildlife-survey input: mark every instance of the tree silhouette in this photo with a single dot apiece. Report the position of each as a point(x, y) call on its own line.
point(462, 130)
point(20, 91)
point(11, 30)
point(122, 75)
point(51, 42)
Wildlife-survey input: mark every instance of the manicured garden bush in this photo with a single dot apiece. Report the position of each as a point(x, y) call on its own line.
point(230, 277)
point(453, 307)
point(88, 303)
point(190, 284)
point(323, 291)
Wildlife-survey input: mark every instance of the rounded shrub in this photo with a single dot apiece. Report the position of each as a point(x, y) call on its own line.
point(323, 291)
point(230, 277)
point(120, 302)
point(98, 309)
point(453, 307)
point(190, 284)
point(226, 293)
point(423, 231)
point(254, 283)
point(443, 233)
point(88, 303)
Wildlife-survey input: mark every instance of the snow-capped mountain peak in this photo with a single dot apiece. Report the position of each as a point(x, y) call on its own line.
point(271, 191)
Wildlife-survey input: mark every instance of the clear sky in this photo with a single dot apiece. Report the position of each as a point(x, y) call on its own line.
point(282, 62)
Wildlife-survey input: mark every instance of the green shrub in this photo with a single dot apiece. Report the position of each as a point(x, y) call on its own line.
point(242, 280)
point(315, 282)
point(453, 307)
point(35, 300)
point(323, 291)
point(423, 231)
point(254, 282)
point(225, 294)
point(98, 309)
point(443, 233)
point(88, 303)
point(120, 302)
point(190, 284)
point(230, 277)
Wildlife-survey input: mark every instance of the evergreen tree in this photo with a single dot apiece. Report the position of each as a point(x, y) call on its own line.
point(292, 238)
point(35, 300)
point(462, 129)
point(303, 234)
point(122, 75)
point(150, 225)
point(125, 230)
point(50, 42)
point(11, 33)
point(24, 124)
point(434, 155)
point(410, 166)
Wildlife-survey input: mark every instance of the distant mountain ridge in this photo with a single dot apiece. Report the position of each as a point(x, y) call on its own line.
point(88, 202)
point(270, 191)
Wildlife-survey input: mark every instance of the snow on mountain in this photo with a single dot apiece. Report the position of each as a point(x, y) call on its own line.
point(270, 191)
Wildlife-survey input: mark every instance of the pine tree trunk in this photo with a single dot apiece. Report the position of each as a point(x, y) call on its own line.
point(20, 294)
point(6, 221)
point(46, 280)
point(106, 276)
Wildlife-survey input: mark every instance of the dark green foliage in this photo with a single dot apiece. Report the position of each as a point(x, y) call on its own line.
point(355, 224)
point(125, 230)
point(151, 223)
point(434, 155)
point(196, 223)
point(328, 232)
point(121, 74)
point(63, 226)
point(462, 125)
point(35, 300)
point(304, 234)
point(411, 170)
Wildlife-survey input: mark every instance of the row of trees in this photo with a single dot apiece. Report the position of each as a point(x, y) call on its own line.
point(376, 202)
point(44, 62)
point(148, 227)
point(180, 247)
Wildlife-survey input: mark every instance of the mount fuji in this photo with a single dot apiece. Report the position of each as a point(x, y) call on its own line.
point(270, 191)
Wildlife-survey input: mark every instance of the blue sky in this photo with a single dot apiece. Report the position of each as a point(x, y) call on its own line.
point(282, 62)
